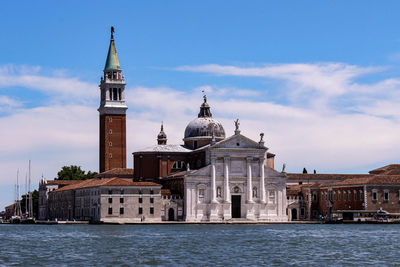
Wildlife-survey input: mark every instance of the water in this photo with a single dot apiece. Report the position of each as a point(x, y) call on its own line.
point(108, 245)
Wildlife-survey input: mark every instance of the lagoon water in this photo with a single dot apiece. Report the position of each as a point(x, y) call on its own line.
point(274, 244)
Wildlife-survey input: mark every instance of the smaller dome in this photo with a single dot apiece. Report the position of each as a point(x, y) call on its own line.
point(162, 137)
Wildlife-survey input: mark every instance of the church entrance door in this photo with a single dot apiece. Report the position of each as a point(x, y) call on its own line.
point(236, 201)
point(294, 214)
point(171, 214)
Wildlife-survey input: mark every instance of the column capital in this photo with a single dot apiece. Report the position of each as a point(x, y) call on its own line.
point(249, 158)
point(213, 159)
point(227, 158)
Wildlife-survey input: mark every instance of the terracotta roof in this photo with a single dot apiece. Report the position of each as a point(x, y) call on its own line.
point(293, 189)
point(165, 192)
point(321, 176)
point(63, 182)
point(370, 179)
point(10, 206)
point(95, 182)
point(392, 169)
point(116, 172)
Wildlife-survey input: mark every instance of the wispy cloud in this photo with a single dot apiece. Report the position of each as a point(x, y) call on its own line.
point(56, 85)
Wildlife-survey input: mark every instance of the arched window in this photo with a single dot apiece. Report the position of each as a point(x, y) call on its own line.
point(254, 191)
point(201, 195)
point(219, 193)
point(271, 196)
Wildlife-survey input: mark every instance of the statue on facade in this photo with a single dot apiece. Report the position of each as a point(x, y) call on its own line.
point(261, 137)
point(284, 167)
point(237, 124)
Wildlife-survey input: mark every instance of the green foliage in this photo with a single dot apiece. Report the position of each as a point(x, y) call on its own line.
point(35, 201)
point(74, 172)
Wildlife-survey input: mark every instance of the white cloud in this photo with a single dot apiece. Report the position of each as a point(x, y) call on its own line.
point(319, 136)
point(59, 87)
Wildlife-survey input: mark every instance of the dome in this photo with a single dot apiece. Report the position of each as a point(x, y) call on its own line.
point(205, 127)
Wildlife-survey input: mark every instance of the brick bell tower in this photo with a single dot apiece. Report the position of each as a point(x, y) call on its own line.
point(112, 113)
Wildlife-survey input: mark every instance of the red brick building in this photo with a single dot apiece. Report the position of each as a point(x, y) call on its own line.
point(344, 198)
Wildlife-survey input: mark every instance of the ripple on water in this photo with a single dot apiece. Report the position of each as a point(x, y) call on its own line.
point(75, 245)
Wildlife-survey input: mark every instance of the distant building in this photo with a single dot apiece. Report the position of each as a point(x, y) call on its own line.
point(108, 200)
point(44, 188)
point(344, 198)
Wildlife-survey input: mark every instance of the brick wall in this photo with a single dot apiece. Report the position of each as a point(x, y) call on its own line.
point(112, 142)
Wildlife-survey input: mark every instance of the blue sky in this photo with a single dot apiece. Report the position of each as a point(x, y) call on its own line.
point(320, 79)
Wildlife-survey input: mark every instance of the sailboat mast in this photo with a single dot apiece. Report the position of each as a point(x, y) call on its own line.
point(17, 203)
point(30, 193)
point(26, 193)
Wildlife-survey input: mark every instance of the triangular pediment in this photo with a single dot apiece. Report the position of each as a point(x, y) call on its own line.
point(238, 141)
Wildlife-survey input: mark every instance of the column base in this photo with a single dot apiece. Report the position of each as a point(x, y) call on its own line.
point(214, 212)
point(227, 212)
point(250, 212)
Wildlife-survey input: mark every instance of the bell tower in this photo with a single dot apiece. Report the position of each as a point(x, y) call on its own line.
point(112, 113)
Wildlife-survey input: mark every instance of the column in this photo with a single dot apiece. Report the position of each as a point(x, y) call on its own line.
point(262, 180)
point(213, 187)
point(249, 182)
point(227, 197)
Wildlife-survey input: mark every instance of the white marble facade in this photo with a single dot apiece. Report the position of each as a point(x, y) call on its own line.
point(236, 184)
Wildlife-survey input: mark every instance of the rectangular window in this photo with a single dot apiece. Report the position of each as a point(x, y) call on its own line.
point(151, 200)
point(140, 210)
point(115, 94)
point(121, 200)
point(302, 211)
point(151, 210)
point(110, 200)
point(339, 196)
point(110, 93)
point(315, 196)
point(361, 195)
point(195, 144)
point(119, 94)
point(355, 195)
point(374, 195)
point(110, 192)
point(386, 195)
point(109, 211)
point(121, 210)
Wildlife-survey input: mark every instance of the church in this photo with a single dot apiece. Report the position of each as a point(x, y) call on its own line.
point(210, 177)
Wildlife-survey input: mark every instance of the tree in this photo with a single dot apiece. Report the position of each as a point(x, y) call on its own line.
point(35, 203)
point(74, 172)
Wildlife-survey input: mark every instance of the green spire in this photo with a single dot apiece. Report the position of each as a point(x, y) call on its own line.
point(112, 62)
